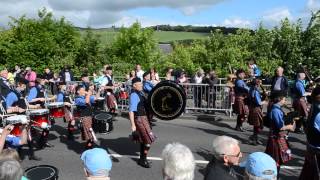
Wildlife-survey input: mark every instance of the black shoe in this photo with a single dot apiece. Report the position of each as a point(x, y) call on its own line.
point(144, 163)
point(153, 120)
point(254, 143)
point(152, 124)
point(238, 128)
point(71, 137)
point(48, 145)
point(35, 158)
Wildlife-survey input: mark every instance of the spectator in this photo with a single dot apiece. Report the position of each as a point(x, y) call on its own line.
point(97, 164)
point(66, 74)
point(169, 74)
point(197, 91)
point(10, 169)
point(182, 78)
point(153, 72)
point(226, 154)
point(279, 83)
point(139, 72)
point(17, 71)
point(210, 93)
point(48, 76)
point(178, 162)
point(255, 71)
point(229, 95)
point(31, 76)
point(11, 77)
point(259, 166)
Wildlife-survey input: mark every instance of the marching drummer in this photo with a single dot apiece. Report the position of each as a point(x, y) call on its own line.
point(10, 141)
point(140, 127)
point(109, 85)
point(37, 94)
point(147, 87)
point(84, 101)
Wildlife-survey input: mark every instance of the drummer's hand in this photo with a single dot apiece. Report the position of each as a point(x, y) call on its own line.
point(290, 127)
point(133, 128)
point(7, 129)
point(20, 110)
point(42, 99)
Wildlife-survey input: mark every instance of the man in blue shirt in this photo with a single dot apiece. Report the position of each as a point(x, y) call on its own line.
point(147, 88)
point(299, 101)
point(277, 146)
point(140, 127)
point(241, 93)
point(312, 158)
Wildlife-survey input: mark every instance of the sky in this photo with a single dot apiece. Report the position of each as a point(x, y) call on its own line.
point(106, 13)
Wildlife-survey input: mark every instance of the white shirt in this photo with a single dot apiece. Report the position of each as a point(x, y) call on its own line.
point(140, 74)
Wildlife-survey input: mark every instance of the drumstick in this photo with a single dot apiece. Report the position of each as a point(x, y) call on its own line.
point(93, 135)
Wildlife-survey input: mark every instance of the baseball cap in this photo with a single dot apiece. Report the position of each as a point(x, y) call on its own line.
point(95, 160)
point(261, 165)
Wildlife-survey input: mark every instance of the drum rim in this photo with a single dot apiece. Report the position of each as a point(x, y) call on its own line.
point(56, 174)
point(95, 116)
point(39, 111)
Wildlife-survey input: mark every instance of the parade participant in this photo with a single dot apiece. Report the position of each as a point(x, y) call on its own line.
point(108, 85)
point(299, 101)
point(140, 127)
point(255, 72)
point(277, 145)
point(10, 141)
point(147, 87)
point(311, 165)
point(85, 81)
point(240, 105)
point(84, 101)
point(255, 111)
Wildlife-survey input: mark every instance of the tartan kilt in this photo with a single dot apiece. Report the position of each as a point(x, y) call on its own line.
point(278, 148)
point(310, 170)
point(86, 126)
point(255, 117)
point(111, 101)
point(143, 128)
point(300, 106)
point(240, 107)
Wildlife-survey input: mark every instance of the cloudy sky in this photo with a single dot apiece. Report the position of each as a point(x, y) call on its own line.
point(105, 13)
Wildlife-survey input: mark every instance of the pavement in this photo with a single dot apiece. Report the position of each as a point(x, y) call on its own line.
point(196, 132)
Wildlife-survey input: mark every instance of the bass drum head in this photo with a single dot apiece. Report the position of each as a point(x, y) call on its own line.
point(42, 172)
point(167, 100)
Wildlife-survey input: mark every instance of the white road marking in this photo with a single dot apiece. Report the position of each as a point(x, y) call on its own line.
point(197, 161)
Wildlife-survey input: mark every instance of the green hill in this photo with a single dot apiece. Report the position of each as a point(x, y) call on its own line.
point(108, 35)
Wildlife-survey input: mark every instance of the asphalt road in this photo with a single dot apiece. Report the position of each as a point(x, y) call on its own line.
point(196, 132)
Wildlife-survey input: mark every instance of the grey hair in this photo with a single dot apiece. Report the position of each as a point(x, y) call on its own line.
point(10, 169)
point(178, 162)
point(223, 145)
point(249, 176)
point(101, 172)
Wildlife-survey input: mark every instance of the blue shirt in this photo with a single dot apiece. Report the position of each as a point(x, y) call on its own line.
point(13, 141)
point(33, 93)
point(147, 86)
point(60, 97)
point(242, 85)
point(299, 86)
point(11, 99)
point(255, 94)
point(81, 100)
point(133, 102)
point(276, 115)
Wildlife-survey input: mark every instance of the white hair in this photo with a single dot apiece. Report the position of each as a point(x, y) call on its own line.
point(223, 145)
point(249, 176)
point(178, 162)
point(10, 170)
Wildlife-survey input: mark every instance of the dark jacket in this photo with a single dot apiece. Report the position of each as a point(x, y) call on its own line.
point(48, 76)
point(62, 75)
point(4, 89)
point(283, 86)
point(215, 170)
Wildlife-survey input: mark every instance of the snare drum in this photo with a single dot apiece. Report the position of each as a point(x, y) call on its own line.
point(17, 121)
point(42, 172)
point(99, 103)
point(102, 122)
point(56, 109)
point(40, 117)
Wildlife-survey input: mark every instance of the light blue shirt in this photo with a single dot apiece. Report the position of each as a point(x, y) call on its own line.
point(32, 94)
point(133, 102)
point(11, 99)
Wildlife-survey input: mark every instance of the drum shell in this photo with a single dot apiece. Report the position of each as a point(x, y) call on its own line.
point(102, 122)
point(177, 100)
point(37, 173)
point(99, 104)
point(39, 119)
point(57, 112)
point(16, 131)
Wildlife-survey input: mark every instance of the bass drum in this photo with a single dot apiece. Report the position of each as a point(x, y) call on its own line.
point(167, 100)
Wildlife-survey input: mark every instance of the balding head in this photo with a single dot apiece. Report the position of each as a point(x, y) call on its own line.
point(279, 71)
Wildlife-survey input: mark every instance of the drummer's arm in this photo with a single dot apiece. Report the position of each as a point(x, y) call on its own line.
point(133, 106)
point(24, 135)
point(6, 131)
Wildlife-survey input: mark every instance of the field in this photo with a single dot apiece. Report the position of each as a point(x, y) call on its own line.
point(108, 35)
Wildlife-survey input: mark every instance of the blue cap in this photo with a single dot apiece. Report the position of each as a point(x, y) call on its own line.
point(261, 165)
point(96, 159)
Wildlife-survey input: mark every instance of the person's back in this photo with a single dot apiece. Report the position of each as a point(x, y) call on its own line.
point(216, 170)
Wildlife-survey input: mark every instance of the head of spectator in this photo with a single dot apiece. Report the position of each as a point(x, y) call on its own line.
point(109, 70)
point(153, 70)
point(137, 84)
point(212, 74)
point(259, 166)
point(138, 68)
point(10, 169)
point(97, 162)
point(41, 80)
point(17, 68)
point(66, 68)
point(231, 79)
point(47, 70)
point(279, 71)
point(200, 73)
point(28, 69)
point(10, 154)
point(178, 162)
point(241, 74)
point(146, 76)
point(226, 150)
point(133, 74)
point(4, 72)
